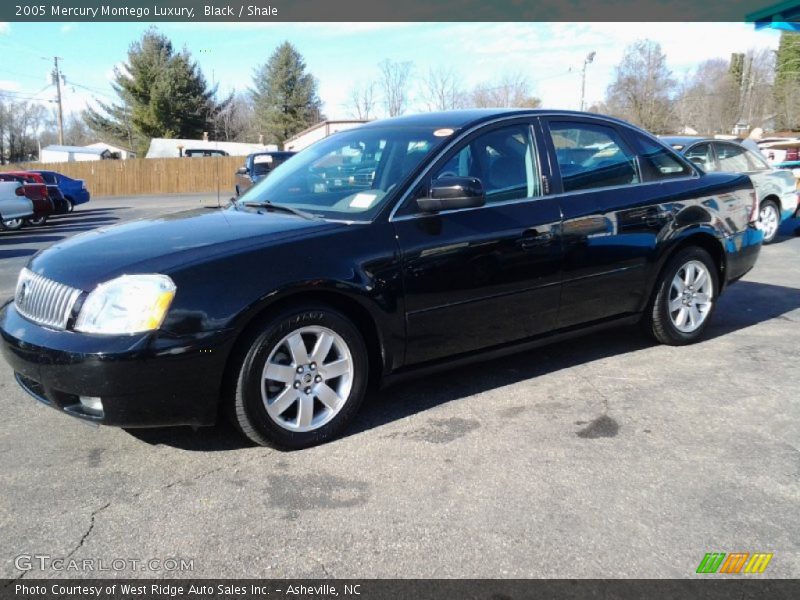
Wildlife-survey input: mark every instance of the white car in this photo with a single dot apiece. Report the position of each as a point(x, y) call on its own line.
point(13, 203)
point(776, 188)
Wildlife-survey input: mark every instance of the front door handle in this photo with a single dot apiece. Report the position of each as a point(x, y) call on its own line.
point(533, 238)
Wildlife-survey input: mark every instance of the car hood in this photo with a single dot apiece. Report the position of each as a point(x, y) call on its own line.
point(160, 245)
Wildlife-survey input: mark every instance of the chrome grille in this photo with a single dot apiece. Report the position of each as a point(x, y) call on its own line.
point(43, 300)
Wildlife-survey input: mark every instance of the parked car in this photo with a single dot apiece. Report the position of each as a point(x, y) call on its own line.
point(60, 204)
point(257, 166)
point(13, 203)
point(203, 152)
point(781, 153)
point(776, 188)
point(36, 191)
point(484, 232)
point(74, 190)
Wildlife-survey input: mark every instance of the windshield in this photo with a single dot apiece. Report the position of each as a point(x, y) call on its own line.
point(348, 175)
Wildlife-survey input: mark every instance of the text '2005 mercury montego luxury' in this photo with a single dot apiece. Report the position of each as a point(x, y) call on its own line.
point(394, 248)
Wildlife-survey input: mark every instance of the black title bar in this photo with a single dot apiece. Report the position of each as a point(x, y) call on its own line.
point(708, 588)
point(396, 10)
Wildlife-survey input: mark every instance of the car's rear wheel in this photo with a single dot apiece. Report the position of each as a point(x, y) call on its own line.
point(769, 220)
point(301, 380)
point(70, 205)
point(13, 224)
point(686, 295)
point(36, 221)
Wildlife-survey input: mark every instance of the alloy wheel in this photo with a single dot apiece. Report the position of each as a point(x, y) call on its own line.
point(769, 220)
point(307, 378)
point(691, 296)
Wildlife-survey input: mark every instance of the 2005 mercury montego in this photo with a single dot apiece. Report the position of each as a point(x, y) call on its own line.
point(393, 248)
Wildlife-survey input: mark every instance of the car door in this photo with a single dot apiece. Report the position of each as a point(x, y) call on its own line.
point(612, 216)
point(479, 277)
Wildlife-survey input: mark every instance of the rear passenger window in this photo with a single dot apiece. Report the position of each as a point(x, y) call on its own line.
point(658, 162)
point(732, 159)
point(591, 156)
point(757, 161)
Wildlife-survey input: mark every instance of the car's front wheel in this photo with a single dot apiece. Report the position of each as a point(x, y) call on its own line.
point(686, 295)
point(769, 220)
point(301, 380)
point(13, 224)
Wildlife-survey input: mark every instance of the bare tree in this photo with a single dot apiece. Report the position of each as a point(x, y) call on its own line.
point(642, 87)
point(394, 82)
point(20, 124)
point(719, 93)
point(442, 89)
point(361, 101)
point(708, 101)
point(512, 90)
point(757, 104)
point(236, 122)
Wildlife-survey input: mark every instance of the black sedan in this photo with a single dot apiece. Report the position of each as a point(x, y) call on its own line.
point(479, 233)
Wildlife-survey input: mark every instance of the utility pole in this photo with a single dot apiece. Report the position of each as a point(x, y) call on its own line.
point(589, 58)
point(57, 81)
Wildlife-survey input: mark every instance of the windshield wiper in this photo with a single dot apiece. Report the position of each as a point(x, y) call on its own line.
point(280, 207)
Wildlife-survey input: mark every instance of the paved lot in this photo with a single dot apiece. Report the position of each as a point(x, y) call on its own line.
point(602, 457)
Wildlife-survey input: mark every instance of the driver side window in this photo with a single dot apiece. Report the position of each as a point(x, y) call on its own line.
point(502, 159)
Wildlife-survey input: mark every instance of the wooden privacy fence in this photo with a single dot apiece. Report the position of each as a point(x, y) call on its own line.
point(143, 176)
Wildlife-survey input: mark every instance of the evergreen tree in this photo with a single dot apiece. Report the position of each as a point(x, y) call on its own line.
point(162, 94)
point(787, 82)
point(285, 95)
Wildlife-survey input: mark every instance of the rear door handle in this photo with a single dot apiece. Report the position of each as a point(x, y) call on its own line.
point(657, 217)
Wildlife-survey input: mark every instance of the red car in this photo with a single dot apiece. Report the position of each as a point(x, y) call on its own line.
point(36, 191)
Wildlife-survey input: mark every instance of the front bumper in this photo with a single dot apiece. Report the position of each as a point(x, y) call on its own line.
point(145, 380)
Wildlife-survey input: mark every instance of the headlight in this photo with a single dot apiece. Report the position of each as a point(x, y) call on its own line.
point(127, 304)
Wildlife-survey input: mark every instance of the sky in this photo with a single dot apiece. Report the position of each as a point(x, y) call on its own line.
point(339, 55)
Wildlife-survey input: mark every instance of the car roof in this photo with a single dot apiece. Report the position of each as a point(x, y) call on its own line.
point(684, 140)
point(458, 119)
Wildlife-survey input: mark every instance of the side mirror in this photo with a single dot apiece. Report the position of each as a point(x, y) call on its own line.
point(448, 193)
point(241, 171)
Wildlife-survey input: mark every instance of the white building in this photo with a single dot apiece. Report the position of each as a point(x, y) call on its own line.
point(317, 132)
point(57, 154)
point(116, 151)
point(173, 148)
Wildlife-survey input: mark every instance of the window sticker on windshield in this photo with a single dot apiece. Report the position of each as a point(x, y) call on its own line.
point(267, 158)
point(443, 132)
point(362, 200)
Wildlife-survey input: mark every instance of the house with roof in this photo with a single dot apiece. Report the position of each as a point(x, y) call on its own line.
point(119, 152)
point(56, 153)
point(176, 148)
point(317, 132)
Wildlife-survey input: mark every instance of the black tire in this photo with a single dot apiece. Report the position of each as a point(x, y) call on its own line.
point(36, 221)
point(70, 205)
point(13, 224)
point(247, 406)
point(658, 320)
point(772, 206)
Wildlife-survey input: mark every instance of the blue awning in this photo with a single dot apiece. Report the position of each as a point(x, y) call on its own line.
point(785, 16)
